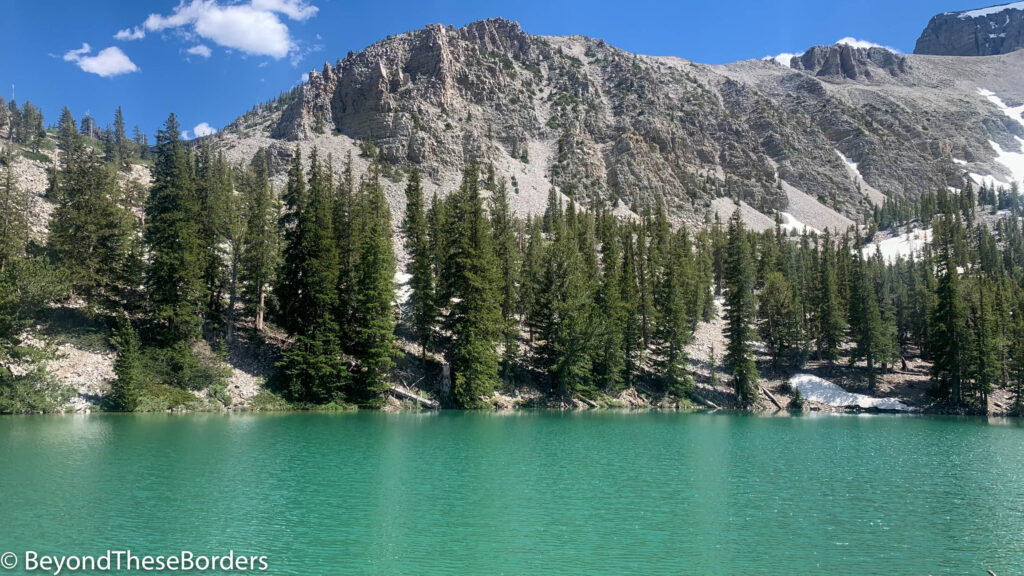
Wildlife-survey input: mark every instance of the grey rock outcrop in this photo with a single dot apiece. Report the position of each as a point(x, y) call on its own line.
point(842, 60)
point(982, 32)
point(603, 125)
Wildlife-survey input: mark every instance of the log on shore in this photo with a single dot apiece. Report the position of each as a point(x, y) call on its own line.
point(405, 394)
point(771, 397)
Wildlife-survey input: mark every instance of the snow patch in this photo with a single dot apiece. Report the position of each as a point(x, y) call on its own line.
point(790, 223)
point(1014, 161)
point(851, 164)
point(404, 290)
point(903, 246)
point(1013, 112)
point(982, 12)
point(822, 391)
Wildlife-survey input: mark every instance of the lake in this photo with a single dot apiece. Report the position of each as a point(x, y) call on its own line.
point(523, 493)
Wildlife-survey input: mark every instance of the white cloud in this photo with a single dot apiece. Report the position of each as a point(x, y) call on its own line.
point(253, 28)
point(855, 43)
point(294, 9)
point(136, 33)
point(783, 58)
point(200, 50)
point(185, 136)
point(203, 129)
point(75, 55)
point(107, 63)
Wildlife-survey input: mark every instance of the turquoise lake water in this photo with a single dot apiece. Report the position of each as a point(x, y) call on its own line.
point(526, 493)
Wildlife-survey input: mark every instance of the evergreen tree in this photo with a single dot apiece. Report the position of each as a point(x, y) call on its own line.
point(780, 323)
point(475, 317)
point(174, 279)
point(948, 344)
point(423, 300)
point(872, 340)
point(829, 312)
point(609, 353)
point(507, 252)
point(128, 368)
point(632, 333)
point(122, 147)
point(288, 287)
point(676, 319)
point(312, 368)
point(374, 317)
point(567, 327)
point(90, 231)
point(215, 189)
point(259, 255)
point(13, 214)
point(346, 216)
point(739, 306)
point(531, 274)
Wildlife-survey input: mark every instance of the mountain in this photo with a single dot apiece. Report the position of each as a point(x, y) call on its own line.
point(983, 32)
point(839, 129)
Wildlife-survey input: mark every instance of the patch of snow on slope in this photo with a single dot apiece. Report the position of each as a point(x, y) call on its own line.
point(822, 391)
point(903, 246)
point(790, 223)
point(1014, 161)
point(1014, 112)
point(982, 12)
point(851, 164)
point(404, 290)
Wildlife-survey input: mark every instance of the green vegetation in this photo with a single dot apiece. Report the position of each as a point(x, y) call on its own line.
point(575, 302)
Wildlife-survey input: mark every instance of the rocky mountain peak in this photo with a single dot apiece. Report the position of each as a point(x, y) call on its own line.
point(841, 128)
point(981, 32)
point(845, 61)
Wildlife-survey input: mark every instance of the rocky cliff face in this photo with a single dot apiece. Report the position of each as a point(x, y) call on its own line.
point(982, 32)
point(601, 124)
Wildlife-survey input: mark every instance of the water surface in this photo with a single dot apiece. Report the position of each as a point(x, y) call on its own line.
point(527, 493)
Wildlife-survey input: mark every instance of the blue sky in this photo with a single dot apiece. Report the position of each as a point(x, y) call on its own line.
point(211, 60)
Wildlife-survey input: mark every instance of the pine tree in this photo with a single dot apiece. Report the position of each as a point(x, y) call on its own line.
point(508, 259)
point(676, 318)
point(374, 316)
point(632, 332)
point(475, 317)
point(13, 210)
point(128, 368)
point(346, 216)
point(312, 368)
point(122, 148)
point(873, 341)
point(780, 324)
point(260, 247)
point(829, 312)
point(739, 306)
point(174, 279)
point(948, 344)
point(288, 287)
point(567, 328)
point(423, 300)
point(215, 189)
point(609, 353)
point(1016, 355)
point(90, 231)
point(531, 273)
